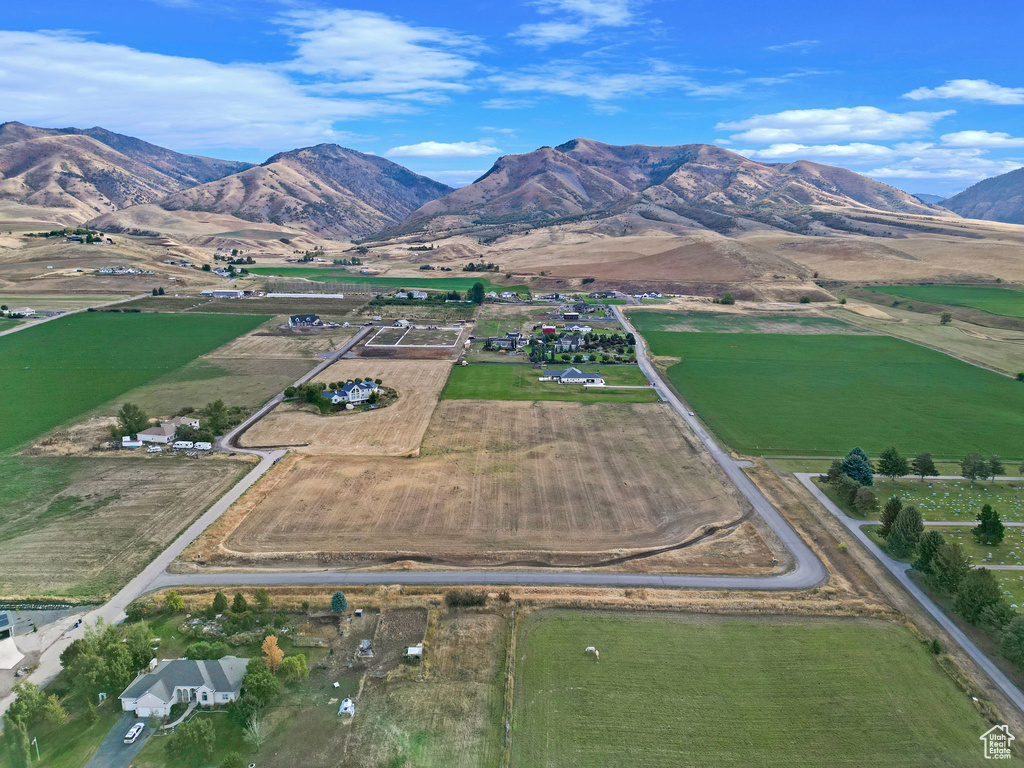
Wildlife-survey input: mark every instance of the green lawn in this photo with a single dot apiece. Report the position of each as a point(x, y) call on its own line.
point(229, 738)
point(58, 371)
point(1009, 552)
point(988, 298)
point(722, 692)
point(72, 744)
point(1012, 584)
point(958, 500)
point(338, 275)
point(494, 381)
point(806, 395)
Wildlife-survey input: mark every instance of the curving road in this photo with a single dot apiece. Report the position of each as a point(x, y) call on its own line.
point(900, 573)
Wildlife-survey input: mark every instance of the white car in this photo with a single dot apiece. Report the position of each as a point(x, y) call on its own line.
point(690, 413)
point(133, 733)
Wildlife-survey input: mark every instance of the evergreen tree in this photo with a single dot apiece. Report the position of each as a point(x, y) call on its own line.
point(1011, 641)
point(339, 602)
point(989, 529)
point(889, 512)
point(858, 466)
point(906, 532)
point(978, 590)
point(239, 604)
point(892, 465)
point(924, 466)
point(950, 564)
point(220, 603)
point(995, 467)
point(476, 293)
point(927, 548)
point(973, 466)
point(835, 471)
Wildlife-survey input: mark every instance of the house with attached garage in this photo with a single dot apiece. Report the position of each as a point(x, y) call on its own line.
point(304, 321)
point(569, 343)
point(164, 432)
point(353, 392)
point(573, 376)
point(182, 681)
point(511, 340)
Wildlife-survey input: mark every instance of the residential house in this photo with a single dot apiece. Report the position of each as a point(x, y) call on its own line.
point(162, 433)
point(183, 421)
point(569, 343)
point(418, 295)
point(353, 392)
point(570, 314)
point(491, 295)
point(573, 376)
point(602, 295)
point(304, 321)
point(512, 340)
point(584, 329)
point(181, 681)
point(509, 295)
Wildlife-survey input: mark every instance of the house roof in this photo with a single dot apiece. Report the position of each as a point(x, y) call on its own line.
point(165, 429)
point(304, 318)
point(222, 675)
point(178, 421)
point(572, 373)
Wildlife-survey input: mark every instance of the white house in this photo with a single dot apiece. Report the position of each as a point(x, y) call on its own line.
point(161, 433)
point(174, 681)
point(353, 392)
point(573, 376)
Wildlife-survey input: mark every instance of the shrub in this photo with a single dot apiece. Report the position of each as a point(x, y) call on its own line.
point(465, 598)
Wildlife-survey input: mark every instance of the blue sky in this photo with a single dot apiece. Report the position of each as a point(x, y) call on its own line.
point(926, 96)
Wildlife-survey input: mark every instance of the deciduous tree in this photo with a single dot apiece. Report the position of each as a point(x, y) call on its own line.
point(131, 420)
point(865, 502)
point(272, 653)
point(294, 667)
point(173, 602)
point(950, 564)
point(973, 466)
point(193, 742)
point(995, 467)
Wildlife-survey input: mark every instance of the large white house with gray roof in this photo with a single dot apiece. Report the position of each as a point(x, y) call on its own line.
point(573, 376)
point(180, 681)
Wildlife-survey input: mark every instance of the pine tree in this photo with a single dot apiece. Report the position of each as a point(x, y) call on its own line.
point(889, 512)
point(858, 466)
point(950, 564)
point(338, 602)
point(927, 548)
point(891, 464)
point(906, 532)
point(239, 604)
point(989, 529)
point(995, 467)
point(924, 466)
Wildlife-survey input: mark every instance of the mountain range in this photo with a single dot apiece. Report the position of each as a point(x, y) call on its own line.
point(331, 191)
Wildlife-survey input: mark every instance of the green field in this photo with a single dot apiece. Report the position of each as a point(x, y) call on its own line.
point(336, 275)
point(708, 691)
point(60, 370)
point(958, 500)
point(988, 298)
point(725, 322)
point(496, 381)
point(802, 395)
point(1009, 552)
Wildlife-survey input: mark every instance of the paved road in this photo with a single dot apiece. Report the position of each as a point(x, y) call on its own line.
point(34, 323)
point(112, 751)
point(899, 572)
point(810, 569)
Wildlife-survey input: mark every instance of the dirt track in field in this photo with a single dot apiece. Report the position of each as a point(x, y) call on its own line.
point(393, 431)
point(497, 481)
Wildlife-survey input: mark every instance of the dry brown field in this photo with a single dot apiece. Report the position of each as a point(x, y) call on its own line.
point(496, 481)
point(393, 431)
point(107, 523)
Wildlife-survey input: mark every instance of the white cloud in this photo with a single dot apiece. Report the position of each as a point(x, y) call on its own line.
point(442, 149)
point(456, 178)
point(578, 19)
point(985, 139)
point(799, 46)
point(61, 78)
point(843, 124)
point(571, 78)
point(847, 153)
point(970, 90)
point(508, 104)
point(363, 52)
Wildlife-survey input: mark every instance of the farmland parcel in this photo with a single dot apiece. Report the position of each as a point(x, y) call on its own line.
point(723, 692)
point(57, 371)
point(771, 393)
point(988, 298)
point(494, 479)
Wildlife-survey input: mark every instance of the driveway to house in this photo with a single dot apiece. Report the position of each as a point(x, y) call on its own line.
point(113, 752)
point(899, 570)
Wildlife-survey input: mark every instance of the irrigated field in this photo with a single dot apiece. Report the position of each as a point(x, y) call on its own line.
point(988, 298)
point(497, 478)
point(425, 283)
point(509, 381)
point(735, 322)
point(393, 431)
point(82, 527)
point(823, 394)
point(59, 370)
point(724, 692)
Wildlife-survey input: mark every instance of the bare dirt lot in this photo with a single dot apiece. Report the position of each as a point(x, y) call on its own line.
point(393, 431)
point(495, 482)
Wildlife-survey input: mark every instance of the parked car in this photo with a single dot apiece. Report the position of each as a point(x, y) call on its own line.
point(133, 733)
